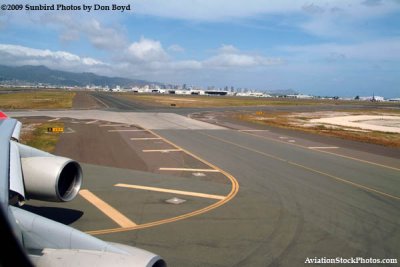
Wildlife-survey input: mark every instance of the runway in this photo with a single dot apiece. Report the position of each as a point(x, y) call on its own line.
point(295, 199)
point(114, 102)
point(296, 203)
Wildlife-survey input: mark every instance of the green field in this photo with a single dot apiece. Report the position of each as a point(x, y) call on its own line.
point(54, 99)
point(37, 136)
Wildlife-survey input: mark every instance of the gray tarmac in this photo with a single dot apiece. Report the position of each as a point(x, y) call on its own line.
point(293, 202)
point(296, 203)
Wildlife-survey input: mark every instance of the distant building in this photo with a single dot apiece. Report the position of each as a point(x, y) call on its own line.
point(300, 96)
point(116, 89)
point(253, 94)
point(215, 92)
point(372, 98)
point(182, 92)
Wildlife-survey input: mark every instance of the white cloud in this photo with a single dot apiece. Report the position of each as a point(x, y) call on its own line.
point(232, 60)
point(103, 37)
point(73, 28)
point(217, 10)
point(381, 50)
point(186, 65)
point(145, 57)
point(211, 10)
point(21, 55)
point(147, 50)
point(228, 49)
point(345, 20)
point(149, 54)
point(230, 57)
point(326, 18)
point(176, 48)
point(313, 8)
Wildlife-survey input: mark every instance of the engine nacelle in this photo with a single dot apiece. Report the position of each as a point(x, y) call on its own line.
point(48, 177)
point(52, 244)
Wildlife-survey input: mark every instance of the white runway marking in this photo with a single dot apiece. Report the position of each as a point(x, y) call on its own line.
point(56, 119)
point(253, 130)
point(145, 138)
point(323, 147)
point(113, 125)
point(112, 131)
point(161, 150)
point(68, 131)
point(188, 170)
point(90, 122)
point(164, 190)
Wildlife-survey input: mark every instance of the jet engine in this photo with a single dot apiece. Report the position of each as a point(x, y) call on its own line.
point(32, 173)
point(48, 177)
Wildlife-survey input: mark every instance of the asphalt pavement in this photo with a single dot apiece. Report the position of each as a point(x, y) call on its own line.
point(272, 200)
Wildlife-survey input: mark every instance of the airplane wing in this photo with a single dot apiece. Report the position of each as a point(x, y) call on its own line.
point(29, 173)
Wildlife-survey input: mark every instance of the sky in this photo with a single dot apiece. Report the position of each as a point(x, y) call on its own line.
point(326, 47)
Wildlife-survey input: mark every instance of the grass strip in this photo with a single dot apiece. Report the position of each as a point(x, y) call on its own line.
point(36, 135)
point(54, 99)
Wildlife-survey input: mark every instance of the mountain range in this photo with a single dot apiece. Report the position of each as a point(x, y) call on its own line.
point(44, 75)
point(34, 75)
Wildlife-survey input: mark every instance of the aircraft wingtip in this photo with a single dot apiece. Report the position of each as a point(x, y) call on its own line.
point(3, 115)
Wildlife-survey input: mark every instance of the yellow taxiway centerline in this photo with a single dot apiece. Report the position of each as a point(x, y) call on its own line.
point(234, 190)
point(165, 190)
point(112, 213)
point(188, 170)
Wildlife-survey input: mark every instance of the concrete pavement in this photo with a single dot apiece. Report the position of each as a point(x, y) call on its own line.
point(293, 202)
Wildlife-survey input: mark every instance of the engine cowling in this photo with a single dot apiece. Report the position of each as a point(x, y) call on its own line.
point(52, 244)
point(48, 177)
point(51, 178)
